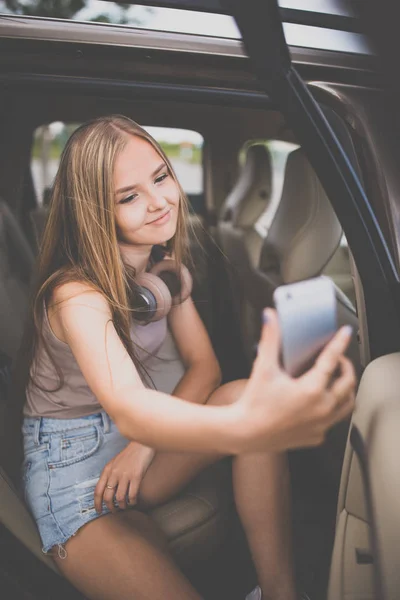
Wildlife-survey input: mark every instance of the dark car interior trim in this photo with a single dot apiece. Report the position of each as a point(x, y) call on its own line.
point(138, 90)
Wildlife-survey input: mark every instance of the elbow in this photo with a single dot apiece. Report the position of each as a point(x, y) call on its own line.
point(125, 424)
point(123, 427)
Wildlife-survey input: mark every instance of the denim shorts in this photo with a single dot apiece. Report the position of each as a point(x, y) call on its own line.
point(63, 460)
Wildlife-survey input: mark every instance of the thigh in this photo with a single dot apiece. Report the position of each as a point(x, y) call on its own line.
point(123, 556)
point(170, 472)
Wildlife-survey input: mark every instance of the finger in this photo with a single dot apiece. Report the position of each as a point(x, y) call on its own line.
point(133, 492)
point(269, 345)
point(121, 492)
point(109, 495)
point(328, 359)
point(99, 490)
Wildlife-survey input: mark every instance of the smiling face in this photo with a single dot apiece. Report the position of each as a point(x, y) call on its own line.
point(146, 196)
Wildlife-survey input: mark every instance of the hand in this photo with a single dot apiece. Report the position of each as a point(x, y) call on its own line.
point(279, 412)
point(124, 474)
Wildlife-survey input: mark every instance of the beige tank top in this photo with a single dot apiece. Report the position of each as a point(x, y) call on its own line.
point(75, 398)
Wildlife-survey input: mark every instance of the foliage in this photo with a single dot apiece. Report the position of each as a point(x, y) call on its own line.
point(65, 9)
point(61, 9)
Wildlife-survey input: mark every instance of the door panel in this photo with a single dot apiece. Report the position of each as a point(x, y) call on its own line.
point(368, 520)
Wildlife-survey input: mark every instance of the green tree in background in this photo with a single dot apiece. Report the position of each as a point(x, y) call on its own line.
point(60, 9)
point(65, 9)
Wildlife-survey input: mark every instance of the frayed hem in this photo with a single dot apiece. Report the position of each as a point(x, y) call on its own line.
point(59, 545)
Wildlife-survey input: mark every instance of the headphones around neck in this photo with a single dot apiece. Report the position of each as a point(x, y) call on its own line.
point(165, 285)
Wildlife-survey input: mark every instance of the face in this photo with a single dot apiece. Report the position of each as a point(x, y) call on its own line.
point(146, 196)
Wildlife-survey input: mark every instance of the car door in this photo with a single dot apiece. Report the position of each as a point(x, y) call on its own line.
point(365, 557)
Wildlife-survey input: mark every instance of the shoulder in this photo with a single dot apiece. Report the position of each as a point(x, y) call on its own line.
point(77, 293)
point(75, 306)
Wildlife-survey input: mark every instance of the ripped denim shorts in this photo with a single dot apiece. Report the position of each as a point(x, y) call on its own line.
point(63, 460)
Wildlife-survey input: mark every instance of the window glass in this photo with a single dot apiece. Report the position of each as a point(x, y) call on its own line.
point(118, 13)
point(183, 147)
point(186, 21)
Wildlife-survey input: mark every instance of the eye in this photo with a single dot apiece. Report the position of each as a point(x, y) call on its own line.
point(128, 199)
point(161, 177)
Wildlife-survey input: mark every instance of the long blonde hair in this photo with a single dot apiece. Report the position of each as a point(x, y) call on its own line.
point(80, 238)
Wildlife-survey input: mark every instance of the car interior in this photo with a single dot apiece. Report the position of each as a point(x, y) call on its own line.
point(261, 219)
point(236, 267)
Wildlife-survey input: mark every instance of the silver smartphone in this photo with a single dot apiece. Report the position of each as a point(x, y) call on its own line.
point(307, 318)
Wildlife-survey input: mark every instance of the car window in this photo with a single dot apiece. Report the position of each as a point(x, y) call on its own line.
point(325, 36)
point(116, 13)
point(182, 146)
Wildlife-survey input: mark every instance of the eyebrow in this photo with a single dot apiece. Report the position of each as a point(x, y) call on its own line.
point(133, 186)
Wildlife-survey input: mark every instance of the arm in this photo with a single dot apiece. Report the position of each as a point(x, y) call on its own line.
point(155, 419)
point(202, 375)
point(274, 413)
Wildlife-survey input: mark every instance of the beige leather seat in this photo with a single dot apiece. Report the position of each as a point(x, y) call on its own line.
point(303, 236)
point(240, 241)
point(196, 521)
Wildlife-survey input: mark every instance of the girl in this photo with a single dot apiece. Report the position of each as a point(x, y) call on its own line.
point(97, 438)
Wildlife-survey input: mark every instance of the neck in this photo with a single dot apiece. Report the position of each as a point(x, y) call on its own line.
point(136, 256)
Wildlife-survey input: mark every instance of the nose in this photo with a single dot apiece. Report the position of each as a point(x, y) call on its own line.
point(156, 201)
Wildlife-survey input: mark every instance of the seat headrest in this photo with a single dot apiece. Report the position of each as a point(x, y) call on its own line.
point(252, 191)
point(15, 253)
point(305, 231)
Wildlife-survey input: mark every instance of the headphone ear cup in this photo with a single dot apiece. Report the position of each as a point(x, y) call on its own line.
point(176, 277)
point(161, 296)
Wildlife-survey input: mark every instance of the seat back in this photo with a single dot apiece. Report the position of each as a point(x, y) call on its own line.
point(304, 234)
point(38, 217)
point(16, 265)
point(305, 231)
point(239, 239)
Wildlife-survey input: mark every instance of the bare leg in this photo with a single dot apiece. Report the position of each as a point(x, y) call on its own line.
point(123, 556)
point(262, 496)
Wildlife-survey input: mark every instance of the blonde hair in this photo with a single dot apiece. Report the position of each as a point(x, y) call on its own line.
point(80, 238)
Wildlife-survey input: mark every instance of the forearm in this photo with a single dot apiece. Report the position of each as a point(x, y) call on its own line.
point(165, 422)
point(198, 383)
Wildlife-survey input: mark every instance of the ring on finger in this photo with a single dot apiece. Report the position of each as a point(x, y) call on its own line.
point(111, 487)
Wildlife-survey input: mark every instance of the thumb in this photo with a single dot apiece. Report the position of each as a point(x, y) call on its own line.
point(270, 341)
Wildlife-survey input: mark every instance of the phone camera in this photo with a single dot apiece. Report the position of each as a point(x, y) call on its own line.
point(288, 296)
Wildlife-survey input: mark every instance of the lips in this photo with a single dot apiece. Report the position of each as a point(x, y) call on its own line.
point(161, 220)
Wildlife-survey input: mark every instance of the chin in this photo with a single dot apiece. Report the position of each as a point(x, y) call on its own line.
point(163, 236)
point(162, 239)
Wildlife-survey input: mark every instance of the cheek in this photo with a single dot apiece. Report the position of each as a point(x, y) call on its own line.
point(172, 193)
point(130, 218)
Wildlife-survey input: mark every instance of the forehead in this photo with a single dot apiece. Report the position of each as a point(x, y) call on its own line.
point(135, 162)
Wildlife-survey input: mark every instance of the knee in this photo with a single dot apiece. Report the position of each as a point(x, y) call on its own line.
point(228, 393)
